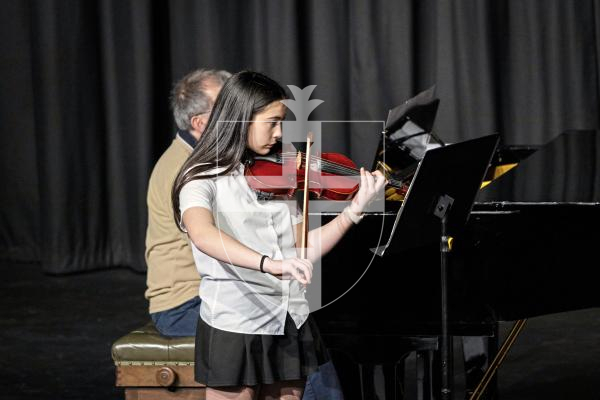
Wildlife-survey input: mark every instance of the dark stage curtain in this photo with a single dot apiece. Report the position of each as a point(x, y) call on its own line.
point(84, 109)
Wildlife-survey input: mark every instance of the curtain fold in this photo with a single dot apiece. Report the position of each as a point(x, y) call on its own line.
point(94, 103)
point(19, 197)
point(87, 86)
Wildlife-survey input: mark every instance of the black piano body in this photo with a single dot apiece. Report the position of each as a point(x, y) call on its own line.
point(529, 248)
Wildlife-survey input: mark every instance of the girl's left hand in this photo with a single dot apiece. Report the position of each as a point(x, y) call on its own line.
point(370, 185)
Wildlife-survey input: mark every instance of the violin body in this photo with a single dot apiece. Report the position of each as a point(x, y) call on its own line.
point(332, 176)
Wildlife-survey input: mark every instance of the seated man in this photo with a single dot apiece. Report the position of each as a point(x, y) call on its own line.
point(173, 280)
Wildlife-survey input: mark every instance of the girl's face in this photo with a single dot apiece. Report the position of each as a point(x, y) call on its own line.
point(265, 128)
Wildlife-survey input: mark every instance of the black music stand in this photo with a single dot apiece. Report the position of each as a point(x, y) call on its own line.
point(437, 206)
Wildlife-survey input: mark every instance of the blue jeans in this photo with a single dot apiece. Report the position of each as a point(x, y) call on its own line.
point(178, 321)
point(182, 321)
point(323, 384)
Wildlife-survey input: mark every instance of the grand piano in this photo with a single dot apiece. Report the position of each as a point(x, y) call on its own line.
point(528, 249)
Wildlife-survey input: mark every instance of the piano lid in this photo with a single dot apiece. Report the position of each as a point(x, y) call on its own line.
point(565, 170)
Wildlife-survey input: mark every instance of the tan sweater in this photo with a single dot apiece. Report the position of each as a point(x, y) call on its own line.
point(172, 276)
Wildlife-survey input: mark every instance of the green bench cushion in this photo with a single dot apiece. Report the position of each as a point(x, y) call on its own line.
point(146, 346)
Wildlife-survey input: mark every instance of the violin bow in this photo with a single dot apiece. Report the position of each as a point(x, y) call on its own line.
point(304, 241)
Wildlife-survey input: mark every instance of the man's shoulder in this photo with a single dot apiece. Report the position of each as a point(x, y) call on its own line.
point(170, 161)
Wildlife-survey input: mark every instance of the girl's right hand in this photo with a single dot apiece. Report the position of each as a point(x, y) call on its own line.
point(299, 269)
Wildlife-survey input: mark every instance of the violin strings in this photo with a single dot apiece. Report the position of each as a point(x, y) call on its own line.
point(335, 167)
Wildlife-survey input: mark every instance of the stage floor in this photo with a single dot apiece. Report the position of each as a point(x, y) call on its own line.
point(56, 334)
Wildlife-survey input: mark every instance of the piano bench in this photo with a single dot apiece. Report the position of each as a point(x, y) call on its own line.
point(150, 366)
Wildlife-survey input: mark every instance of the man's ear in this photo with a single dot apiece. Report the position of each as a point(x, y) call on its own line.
point(198, 122)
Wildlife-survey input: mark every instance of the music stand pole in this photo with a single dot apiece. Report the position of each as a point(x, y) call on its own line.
point(441, 211)
point(448, 178)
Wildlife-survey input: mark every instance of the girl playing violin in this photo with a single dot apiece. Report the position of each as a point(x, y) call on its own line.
point(255, 337)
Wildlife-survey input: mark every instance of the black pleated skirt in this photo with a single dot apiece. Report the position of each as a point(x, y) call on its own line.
point(236, 359)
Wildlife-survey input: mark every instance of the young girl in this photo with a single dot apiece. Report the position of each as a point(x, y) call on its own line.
point(255, 338)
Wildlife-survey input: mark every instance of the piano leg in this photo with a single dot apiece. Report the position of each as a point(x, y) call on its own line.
point(373, 367)
point(425, 378)
point(478, 352)
point(386, 381)
point(382, 381)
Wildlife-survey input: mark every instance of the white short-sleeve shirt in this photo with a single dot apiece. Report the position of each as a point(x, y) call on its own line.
point(239, 299)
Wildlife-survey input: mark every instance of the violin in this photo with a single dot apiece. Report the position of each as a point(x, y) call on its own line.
point(332, 176)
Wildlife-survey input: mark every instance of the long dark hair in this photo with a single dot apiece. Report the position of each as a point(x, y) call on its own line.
point(223, 142)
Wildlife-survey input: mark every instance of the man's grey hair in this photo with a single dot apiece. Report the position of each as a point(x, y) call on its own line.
point(188, 97)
